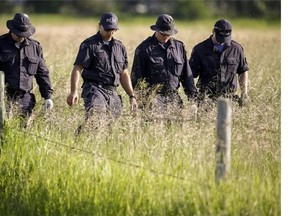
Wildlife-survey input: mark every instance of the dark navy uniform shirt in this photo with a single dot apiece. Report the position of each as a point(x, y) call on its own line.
point(21, 64)
point(217, 71)
point(164, 64)
point(102, 62)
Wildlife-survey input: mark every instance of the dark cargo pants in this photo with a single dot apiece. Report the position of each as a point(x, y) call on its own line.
point(164, 105)
point(101, 100)
point(21, 101)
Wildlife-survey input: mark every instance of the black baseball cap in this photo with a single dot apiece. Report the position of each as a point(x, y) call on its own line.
point(165, 25)
point(223, 30)
point(109, 21)
point(21, 25)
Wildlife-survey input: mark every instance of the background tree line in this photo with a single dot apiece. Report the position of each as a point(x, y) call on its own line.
point(181, 9)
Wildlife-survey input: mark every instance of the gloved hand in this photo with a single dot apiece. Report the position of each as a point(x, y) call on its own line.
point(48, 104)
point(193, 96)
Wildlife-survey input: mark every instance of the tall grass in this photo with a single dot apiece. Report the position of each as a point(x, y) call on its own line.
point(137, 167)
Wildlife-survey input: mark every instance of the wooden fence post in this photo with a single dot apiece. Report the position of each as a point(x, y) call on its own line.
point(223, 144)
point(2, 100)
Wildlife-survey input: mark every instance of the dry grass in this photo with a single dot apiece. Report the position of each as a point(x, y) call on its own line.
point(56, 180)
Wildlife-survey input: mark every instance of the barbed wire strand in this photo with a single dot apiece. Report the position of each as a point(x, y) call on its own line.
point(108, 158)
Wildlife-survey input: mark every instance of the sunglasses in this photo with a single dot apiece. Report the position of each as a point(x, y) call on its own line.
point(108, 30)
point(222, 32)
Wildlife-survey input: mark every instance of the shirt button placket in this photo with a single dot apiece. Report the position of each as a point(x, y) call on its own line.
point(21, 68)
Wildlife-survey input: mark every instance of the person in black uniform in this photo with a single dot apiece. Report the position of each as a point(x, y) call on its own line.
point(160, 65)
point(21, 59)
point(217, 61)
point(102, 61)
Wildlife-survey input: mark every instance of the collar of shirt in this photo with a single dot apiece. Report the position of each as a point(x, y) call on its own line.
point(25, 42)
point(99, 39)
point(169, 43)
point(212, 44)
point(219, 48)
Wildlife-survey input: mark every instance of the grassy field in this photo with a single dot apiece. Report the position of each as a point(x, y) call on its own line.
point(138, 167)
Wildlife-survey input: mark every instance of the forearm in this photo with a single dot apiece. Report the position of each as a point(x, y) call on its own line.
point(187, 81)
point(42, 77)
point(75, 77)
point(137, 68)
point(243, 82)
point(126, 83)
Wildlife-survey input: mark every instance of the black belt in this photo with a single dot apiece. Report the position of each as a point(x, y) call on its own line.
point(167, 92)
point(102, 85)
point(11, 91)
point(231, 96)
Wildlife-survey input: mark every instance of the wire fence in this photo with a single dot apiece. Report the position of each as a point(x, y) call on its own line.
point(93, 153)
point(222, 147)
point(220, 164)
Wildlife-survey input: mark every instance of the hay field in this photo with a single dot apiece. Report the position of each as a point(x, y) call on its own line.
point(140, 168)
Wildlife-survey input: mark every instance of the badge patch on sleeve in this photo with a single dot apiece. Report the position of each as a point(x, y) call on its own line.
point(83, 46)
point(137, 51)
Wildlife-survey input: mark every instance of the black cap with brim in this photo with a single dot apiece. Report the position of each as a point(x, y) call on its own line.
point(21, 25)
point(164, 25)
point(163, 31)
point(223, 30)
point(109, 21)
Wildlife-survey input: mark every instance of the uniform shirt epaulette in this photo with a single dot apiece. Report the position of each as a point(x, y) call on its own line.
point(117, 41)
point(205, 42)
point(145, 43)
point(148, 39)
point(33, 40)
point(175, 40)
point(3, 36)
point(236, 44)
point(89, 39)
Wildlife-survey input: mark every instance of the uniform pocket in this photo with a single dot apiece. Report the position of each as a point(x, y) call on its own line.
point(119, 63)
point(8, 59)
point(99, 58)
point(100, 54)
point(231, 61)
point(232, 65)
point(178, 64)
point(32, 65)
point(156, 60)
point(178, 60)
point(157, 64)
point(86, 89)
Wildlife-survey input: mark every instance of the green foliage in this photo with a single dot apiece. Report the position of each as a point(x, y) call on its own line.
point(253, 9)
point(182, 9)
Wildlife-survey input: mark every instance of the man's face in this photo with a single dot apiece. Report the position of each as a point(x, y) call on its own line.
point(107, 34)
point(17, 38)
point(222, 35)
point(162, 38)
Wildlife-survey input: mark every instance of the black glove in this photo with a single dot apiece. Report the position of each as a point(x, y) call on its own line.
point(192, 96)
